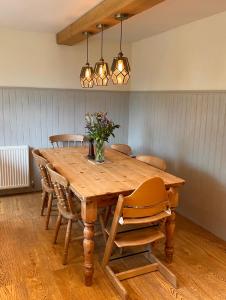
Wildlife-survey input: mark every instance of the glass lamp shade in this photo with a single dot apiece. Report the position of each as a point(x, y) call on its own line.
point(120, 70)
point(101, 73)
point(86, 76)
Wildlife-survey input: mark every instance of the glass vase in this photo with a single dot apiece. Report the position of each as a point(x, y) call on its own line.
point(99, 151)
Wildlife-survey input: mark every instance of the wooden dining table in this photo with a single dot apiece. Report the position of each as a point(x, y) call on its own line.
point(99, 185)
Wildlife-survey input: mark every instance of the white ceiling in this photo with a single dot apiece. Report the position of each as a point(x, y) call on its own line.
point(42, 15)
point(54, 15)
point(165, 16)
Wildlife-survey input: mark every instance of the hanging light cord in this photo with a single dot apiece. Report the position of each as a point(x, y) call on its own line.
point(121, 37)
point(87, 49)
point(101, 47)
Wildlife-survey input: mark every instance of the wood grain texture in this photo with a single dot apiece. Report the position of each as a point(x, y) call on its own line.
point(30, 267)
point(103, 13)
point(121, 174)
point(188, 130)
point(28, 116)
point(94, 183)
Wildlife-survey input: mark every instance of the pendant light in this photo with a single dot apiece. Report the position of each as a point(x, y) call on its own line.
point(120, 69)
point(86, 75)
point(101, 69)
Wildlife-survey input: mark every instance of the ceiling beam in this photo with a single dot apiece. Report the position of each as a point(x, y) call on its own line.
point(101, 14)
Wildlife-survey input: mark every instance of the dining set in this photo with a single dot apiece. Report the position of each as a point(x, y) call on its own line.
point(132, 198)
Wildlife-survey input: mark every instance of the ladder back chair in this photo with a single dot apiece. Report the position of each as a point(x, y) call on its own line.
point(154, 161)
point(148, 205)
point(47, 187)
point(66, 206)
point(123, 148)
point(68, 140)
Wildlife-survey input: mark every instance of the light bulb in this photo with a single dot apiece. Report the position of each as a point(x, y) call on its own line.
point(101, 70)
point(120, 65)
point(88, 73)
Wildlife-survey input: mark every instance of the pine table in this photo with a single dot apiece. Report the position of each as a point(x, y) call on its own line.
point(99, 185)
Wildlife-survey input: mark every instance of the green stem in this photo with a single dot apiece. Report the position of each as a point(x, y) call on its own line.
point(100, 151)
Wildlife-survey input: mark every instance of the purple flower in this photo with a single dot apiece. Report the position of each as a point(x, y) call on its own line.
point(99, 127)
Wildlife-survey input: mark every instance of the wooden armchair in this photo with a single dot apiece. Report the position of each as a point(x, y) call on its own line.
point(147, 205)
point(62, 140)
point(47, 187)
point(66, 206)
point(153, 161)
point(126, 149)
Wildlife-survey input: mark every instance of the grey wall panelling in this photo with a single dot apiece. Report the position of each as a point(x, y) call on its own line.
point(188, 129)
point(29, 115)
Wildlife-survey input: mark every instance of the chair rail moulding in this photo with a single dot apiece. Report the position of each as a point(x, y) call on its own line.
point(101, 14)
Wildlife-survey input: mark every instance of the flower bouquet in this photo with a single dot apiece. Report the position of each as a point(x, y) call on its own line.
point(100, 128)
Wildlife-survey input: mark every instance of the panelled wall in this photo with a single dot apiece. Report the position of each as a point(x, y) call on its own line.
point(188, 129)
point(29, 115)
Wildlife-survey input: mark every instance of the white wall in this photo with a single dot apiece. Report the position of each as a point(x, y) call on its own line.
point(29, 59)
point(190, 57)
point(183, 123)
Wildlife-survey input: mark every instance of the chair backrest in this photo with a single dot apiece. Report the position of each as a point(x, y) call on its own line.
point(42, 163)
point(66, 140)
point(62, 191)
point(149, 199)
point(153, 161)
point(126, 149)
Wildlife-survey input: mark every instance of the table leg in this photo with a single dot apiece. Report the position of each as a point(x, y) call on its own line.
point(170, 227)
point(89, 214)
point(88, 245)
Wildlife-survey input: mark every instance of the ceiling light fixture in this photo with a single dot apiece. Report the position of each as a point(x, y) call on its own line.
point(86, 75)
point(101, 69)
point(120, 69)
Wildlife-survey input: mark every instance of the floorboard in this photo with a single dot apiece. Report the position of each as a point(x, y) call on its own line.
point(30, 265)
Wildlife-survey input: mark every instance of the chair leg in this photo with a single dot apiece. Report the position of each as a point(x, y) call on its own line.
point(116, 283)
point(169, 276)
point(103, 219)
point(107, 215)
point(50, 200)
point(58, 223)
point(102, 225)
point(67, 241)
point(44, 202)
point(107, 252)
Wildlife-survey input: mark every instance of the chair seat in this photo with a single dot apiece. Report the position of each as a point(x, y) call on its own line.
point(142, 236)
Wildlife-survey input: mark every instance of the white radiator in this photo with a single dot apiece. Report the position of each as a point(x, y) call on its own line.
point(14, 167)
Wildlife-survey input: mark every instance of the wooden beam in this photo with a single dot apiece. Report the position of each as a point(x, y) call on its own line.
point(101, 14)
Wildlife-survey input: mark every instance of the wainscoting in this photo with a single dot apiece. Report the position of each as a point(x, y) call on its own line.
point(28, 116)
point(188, 129)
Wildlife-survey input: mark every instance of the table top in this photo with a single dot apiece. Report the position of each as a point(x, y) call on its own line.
point(119, 174)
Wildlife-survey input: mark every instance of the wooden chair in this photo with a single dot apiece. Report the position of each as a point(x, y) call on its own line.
point(147, 205)
point(126, 149)
point(66, 206)
point(66, 140)
point(47, 187)
point(153, 161)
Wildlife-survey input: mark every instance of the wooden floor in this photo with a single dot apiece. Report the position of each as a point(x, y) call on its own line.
point(30, 266)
